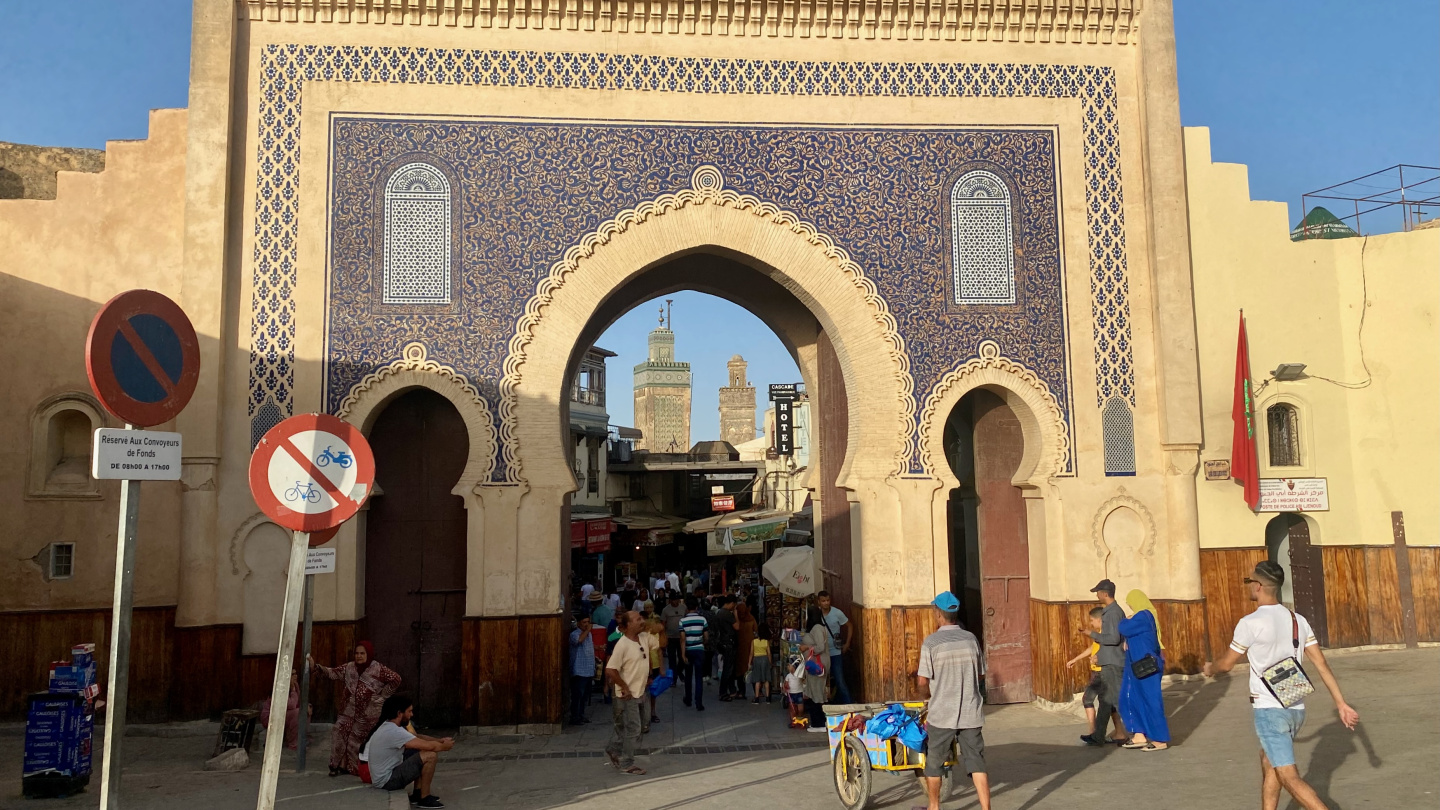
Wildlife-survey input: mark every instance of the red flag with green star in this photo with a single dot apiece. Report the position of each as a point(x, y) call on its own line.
point(1243, 465)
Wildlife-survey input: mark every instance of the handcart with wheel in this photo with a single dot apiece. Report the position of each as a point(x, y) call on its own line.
point(855, 753)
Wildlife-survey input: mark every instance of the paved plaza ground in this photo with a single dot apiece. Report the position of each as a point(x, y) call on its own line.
point(742, 756)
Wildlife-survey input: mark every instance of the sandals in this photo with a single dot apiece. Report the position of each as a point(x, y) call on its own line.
point(634, 770)
point(1134, 746)
point(1154, 747)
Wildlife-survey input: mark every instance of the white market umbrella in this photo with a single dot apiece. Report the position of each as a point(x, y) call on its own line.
point(792, 570)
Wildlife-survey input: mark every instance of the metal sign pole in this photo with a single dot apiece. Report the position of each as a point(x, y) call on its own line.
point(284, 660)
point(305, 672)
point(117, 689)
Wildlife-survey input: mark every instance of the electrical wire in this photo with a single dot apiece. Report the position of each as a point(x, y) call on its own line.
point(1360, 333)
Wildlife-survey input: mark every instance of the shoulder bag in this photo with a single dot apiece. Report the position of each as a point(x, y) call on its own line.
point(1143, 668)
point(1286, 679)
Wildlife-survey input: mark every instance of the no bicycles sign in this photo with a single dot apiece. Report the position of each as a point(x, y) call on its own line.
point(311, 472)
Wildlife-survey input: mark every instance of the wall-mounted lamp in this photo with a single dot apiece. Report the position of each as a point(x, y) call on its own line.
point(1287, 372)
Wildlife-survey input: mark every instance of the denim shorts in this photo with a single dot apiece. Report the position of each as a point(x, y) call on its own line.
point(1276, 729)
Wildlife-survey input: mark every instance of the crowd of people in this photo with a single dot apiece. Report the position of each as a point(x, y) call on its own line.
point(694, 639)
point(698, 642)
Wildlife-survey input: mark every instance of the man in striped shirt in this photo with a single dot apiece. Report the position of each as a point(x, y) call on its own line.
point(694, 628)
point(950, 668)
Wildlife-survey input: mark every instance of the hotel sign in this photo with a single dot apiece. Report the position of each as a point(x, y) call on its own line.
point(1294, 495)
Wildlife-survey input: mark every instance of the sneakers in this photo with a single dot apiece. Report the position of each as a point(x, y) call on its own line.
point(817, 729)
point(1090, 740)
point(429, 801)
point(756, 701)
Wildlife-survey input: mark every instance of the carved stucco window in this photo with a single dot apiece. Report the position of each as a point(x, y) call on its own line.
point(1117, 426)
point(982, 240)
point(417, 236)
point(60, 441)
point(1282, 425)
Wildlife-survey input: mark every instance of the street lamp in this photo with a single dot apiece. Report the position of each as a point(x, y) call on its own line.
point(1287, 372)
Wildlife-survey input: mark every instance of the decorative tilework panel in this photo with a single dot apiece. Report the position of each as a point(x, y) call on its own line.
point(284, 69)
point(1117, 426)
point(982, 245)
point(531, 200)
point(417, 236)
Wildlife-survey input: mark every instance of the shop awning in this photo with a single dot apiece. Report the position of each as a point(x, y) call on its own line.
point(745, 538)
point(644, 521)
point(710, 524)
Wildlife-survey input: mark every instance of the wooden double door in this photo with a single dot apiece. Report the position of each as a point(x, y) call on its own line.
point(990, 547)
point(415, 552)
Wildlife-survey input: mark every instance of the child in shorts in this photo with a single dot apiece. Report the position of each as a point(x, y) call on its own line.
point(795, 693)
point(1092, 689)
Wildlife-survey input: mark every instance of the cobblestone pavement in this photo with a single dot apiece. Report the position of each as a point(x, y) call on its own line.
point(741, 756)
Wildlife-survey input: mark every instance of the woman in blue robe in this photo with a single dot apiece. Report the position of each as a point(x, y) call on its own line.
point(1142, 706)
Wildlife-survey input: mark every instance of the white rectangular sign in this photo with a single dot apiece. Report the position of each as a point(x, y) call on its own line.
point(1294, 495)
point(320, 561)
point(139, 455)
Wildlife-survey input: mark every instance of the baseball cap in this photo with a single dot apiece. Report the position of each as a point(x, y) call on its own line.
point(1104, 585)
point(947, 602)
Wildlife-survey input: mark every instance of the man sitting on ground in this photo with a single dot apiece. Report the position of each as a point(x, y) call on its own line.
point(397, 758)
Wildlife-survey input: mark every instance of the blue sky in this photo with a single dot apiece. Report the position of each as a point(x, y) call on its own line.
point(1307, 94)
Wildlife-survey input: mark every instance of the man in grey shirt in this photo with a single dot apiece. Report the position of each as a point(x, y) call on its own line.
point(950, 668)
point(674, 645)
point(1111, 659)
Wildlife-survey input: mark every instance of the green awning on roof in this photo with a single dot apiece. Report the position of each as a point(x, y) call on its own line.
point(1321, 224)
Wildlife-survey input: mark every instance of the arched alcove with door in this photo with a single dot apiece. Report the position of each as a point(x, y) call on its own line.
point(415, 550)
point(1290, 542)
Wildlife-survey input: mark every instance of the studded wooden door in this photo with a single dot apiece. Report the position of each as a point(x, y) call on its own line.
point(1307, 571)
point(1004, 550)
point(415, 551)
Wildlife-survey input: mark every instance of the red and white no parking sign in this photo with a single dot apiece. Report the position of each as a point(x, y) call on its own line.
point(312, 472)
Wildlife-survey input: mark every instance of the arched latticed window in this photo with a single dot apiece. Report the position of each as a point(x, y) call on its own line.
point(417, 236)
point(1118, 429)
point(1282, 423)
point(982, 243)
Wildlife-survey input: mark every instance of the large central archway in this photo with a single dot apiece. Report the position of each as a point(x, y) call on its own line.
point(716, 241)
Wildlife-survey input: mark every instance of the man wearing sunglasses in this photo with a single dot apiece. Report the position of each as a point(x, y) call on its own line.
point(1267, 637)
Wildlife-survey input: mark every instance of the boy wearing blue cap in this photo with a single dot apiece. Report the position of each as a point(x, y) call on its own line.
point(950, 670)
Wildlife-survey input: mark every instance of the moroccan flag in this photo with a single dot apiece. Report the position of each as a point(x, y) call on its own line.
point(1243, 466)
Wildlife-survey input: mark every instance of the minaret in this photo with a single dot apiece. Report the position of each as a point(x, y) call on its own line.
point(737, 405)
point(662, 394)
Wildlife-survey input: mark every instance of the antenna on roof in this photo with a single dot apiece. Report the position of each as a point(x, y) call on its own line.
point(669, 324)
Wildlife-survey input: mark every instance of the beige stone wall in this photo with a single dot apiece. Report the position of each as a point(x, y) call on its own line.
point(1359, 311)
point(104, 233)
point(29, 172)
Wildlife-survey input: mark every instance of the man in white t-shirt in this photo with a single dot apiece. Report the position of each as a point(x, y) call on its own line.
point(628, 671)
point(1267, 637)
point(398, 758)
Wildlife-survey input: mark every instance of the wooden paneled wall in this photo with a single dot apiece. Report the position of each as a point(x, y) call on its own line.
point(1055, 638)
point(889, 642)
point(29, 642)
point(512, 670)
point(1362, 595)
point(1222, 582)
point(1425, 585)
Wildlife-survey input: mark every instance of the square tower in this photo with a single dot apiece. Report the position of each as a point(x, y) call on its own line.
point(662, 396)
point(737, 405)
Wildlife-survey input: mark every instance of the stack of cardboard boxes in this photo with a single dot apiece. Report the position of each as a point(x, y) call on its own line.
point(59, 728)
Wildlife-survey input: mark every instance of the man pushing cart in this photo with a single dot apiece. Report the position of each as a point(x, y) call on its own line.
point(866, 737)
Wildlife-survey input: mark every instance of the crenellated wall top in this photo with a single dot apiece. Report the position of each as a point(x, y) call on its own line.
point(1090, 22)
